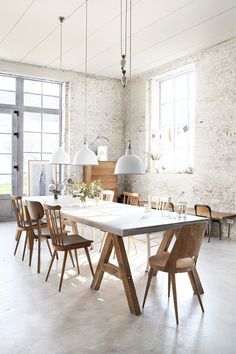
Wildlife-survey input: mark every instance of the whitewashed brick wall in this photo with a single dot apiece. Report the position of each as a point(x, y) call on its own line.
point(104, 115)
point(214, 178)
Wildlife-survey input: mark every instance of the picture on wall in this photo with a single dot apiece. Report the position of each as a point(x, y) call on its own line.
point(40, 176)
point(102, 153)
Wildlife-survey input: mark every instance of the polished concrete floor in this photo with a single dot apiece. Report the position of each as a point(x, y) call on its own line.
point(35, 318)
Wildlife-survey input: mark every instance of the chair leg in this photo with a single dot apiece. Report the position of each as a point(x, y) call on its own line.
point(209, 231)
point(50, 266)
point(175, 296)
point(169, 284)
point(63, 269)
point(31, 246)
point(39, 254)
point(77, 262)
point(89, 260)
point(220, 231)
point(135, 245)
point(103, 237)
point(49, 248)
point(129, 243)
point(128, 248)
point(57, 256)
point(150, 275)
point(71, 257)
point(197, 290)
point(148, 251)
point(18, 236)
point(94, 237)
point(18, 232)
point(26, 238)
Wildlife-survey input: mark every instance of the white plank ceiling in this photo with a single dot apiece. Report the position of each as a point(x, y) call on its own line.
point(163, 30)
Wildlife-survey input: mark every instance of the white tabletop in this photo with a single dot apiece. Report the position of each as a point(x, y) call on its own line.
point(116, 218)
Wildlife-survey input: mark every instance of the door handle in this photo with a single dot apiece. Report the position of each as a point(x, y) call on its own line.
point(16, 167)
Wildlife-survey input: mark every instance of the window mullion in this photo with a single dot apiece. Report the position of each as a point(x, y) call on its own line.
point(175, 108)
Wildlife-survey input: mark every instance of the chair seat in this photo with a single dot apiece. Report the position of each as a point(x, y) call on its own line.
point(44, 232)
point(159, 261)
point(27, 224)
point(73, 241)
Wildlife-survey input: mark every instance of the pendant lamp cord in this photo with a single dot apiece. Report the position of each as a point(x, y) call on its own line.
point(61, 19)
point(130, 71)
point(86, 69)
point(123, 32)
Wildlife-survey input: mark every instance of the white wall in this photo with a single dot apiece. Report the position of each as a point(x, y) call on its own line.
point(214, 179)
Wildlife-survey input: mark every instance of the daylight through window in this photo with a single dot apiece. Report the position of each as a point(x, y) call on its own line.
point(172, 123)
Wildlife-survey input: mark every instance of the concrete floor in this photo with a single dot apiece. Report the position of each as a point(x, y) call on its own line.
point(35, 318)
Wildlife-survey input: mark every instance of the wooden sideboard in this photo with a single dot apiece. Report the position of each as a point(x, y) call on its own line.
point(104, 171)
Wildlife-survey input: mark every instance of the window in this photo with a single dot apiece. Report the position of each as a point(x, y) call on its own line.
point(172, 122)
point(7, 90)
point(5, 152)
point(41, 119)
point(30, 122)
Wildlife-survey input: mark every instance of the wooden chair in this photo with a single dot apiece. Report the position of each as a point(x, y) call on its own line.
point(108, 196)
point(161, 203)
point(41, 232)
point(23, 223)
point(181, 259)
point(61, 242)
point(205, 211)
point(131, 198)
point(158, 203)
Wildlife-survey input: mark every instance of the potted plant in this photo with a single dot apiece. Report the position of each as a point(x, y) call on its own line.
point(55, 188)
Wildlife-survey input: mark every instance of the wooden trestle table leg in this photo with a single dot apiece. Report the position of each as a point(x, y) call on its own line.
point(122, 271)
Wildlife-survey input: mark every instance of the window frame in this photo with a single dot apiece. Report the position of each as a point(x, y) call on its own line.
point(17, 111)
point(155, 118)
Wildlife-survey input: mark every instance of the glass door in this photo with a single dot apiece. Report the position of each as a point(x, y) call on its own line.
point(9, 166)
point(5, 153)
point(30, 128)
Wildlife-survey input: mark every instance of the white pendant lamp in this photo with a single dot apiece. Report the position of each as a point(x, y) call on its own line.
point(128, 164)
point(85, 156)
point(60, 156)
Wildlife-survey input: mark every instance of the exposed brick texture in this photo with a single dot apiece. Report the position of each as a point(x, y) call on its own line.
point(213, 180)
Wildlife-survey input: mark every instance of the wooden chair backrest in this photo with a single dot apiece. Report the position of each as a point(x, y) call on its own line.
point(35, 209)
point(19, 210)
point(107, 195)
point(187, 244)
point(54, 221)
point(161, 203)
point(131, 198)
point(202, 210)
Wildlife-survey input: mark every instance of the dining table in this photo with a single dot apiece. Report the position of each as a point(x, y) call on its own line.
point(119, 221)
